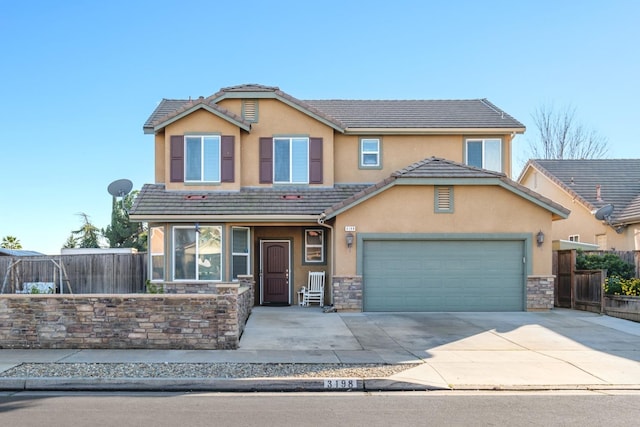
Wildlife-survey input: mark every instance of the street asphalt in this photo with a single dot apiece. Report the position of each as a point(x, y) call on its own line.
point(555, 350)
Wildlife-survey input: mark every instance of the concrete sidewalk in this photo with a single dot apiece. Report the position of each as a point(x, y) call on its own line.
point(560, 349)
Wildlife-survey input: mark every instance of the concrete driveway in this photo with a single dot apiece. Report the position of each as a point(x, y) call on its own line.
point(458, 350)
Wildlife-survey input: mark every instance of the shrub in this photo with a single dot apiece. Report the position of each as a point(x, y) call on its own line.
point(616, 285)
point(152, 288)
point(614, 265)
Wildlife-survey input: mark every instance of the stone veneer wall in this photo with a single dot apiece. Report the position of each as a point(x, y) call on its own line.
point(347, 293)
point(540, 292)
point(109, 321)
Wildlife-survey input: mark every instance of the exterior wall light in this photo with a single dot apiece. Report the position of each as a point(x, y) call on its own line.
point(540, 238)
point(349, 239)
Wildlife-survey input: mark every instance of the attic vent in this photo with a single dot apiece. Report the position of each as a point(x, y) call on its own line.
point(250, 110)
point(292, 197)
point(195, 197)
point(444, 199)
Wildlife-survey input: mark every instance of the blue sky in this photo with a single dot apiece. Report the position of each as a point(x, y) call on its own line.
point(79, 78)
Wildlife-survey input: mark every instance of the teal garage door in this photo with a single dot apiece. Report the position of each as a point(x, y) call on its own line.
point(443, 275)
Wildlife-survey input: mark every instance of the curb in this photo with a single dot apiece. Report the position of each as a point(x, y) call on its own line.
point(213, 384)
point(271, 385)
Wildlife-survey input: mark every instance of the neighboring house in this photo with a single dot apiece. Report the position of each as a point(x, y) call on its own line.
point(406, 205)
point(586, 186)
point(18, 252)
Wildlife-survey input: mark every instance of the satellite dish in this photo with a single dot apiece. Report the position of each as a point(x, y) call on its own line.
point(120, 188)
point(604, 213)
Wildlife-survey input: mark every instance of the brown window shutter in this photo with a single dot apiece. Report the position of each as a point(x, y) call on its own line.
point(266, 160)
point(315, 160)
point(177, 159)
point(227, 167)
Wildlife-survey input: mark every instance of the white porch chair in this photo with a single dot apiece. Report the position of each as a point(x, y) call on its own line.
point(314, 291)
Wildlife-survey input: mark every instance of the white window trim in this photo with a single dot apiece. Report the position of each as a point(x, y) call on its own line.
point(574, 238)
point(484, 151)
point(197, 266)
point(202, 164)
point(290, 139)
point(157, 254)
point(247, 254)
point(363, 152)
point(307, 245)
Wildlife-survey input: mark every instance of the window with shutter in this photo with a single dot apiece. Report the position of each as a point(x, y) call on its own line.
point(444, 199)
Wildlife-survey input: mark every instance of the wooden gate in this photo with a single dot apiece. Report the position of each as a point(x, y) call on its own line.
point(564, 265)
point(577, 289)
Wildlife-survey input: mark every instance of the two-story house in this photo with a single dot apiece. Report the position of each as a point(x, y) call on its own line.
point(407, 205)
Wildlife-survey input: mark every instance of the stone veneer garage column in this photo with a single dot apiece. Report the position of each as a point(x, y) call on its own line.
point(540, 292)
point(347, 293)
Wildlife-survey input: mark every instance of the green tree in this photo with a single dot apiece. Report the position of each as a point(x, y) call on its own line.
point(10, 242)
point(88, 235)
point(122, 233)
point(71, 242)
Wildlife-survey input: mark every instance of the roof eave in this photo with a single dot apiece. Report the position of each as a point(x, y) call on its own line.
point(223, 218)
point(181, 115)
point(558, 211)
point(430, 131)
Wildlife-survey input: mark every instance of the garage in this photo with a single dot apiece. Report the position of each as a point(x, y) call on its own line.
point(443, 275)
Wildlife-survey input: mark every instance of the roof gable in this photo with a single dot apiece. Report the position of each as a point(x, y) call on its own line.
point(411, 116)
point(597, 182)
point(173, 110)
point(438, 171)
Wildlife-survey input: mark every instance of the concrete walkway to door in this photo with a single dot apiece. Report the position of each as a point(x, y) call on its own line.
point(555, 349)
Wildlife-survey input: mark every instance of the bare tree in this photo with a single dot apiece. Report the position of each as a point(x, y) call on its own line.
point(561, 136)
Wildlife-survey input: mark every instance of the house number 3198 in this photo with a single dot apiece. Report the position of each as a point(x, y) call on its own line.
point(341, 383)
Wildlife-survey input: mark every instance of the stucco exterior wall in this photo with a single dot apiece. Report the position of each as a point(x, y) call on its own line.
point(477, 210)
point(400, 151)
point(276, 118)
point(201, 121)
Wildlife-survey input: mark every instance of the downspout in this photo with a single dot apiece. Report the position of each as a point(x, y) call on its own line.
point(332, 245)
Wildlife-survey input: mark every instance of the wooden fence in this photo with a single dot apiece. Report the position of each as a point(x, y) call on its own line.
point(78, 274)
point(589, 290)
point(632, 257)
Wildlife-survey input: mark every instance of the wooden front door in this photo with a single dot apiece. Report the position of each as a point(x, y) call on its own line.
point(275, 272)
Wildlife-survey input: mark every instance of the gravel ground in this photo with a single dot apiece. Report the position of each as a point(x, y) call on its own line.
point(203, 370)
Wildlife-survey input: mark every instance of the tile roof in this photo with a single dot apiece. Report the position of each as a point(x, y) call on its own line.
point(155, 200)
point(448, 170)
point(459, 113)
point(343, 114)
point(618, 180)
